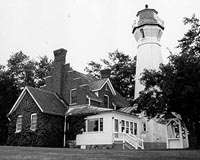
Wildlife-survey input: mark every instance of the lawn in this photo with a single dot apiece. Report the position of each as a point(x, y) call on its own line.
point(36, 153)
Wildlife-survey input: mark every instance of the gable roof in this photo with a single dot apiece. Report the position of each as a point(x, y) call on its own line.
point(48, 102)
point(98, 85)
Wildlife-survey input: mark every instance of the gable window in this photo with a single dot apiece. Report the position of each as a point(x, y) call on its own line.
point(19, 124)
point(106, 101)
point(95, 125)
point(144, 127)
point(73, 96)
point(106, 87)
point(142, 32)
point(33, 121)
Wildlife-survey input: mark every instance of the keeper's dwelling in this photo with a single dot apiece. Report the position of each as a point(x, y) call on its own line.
point(78, 110)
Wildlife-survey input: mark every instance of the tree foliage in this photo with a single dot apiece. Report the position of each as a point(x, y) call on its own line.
point(176, 86)
point(19, 72)
point(122, 72)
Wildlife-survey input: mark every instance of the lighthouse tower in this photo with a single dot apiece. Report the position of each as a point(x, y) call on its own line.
point(147, 30)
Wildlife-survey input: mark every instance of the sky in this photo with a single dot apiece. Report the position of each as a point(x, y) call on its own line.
point(88, 29)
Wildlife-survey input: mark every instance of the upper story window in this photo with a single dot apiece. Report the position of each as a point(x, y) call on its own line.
point(95, 125)
point(106, 87)
point(142, 32)
point(19, 124)
point(73, 96)
point(106, 101)
point(144, 127)
point(33, 121)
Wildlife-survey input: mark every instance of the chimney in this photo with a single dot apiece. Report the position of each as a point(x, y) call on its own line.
point(105, 73)
point(58, 70)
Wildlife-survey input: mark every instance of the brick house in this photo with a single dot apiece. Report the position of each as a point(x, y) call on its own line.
point(77, 109)
point(38, 118)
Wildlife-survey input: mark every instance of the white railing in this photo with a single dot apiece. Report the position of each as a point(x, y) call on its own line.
point(133, 140)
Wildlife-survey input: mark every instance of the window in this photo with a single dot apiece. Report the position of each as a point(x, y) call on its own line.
point(135, 128)
point(19, 124)
point(144, 127)
point(106, 87)
point(95, 125)
point(33, 121)
point(73, 96)
point(122, 126)
point(106, 101)
point(116, 125)
point(101, 124)
point(142, 32)
point(131, 127)
point(127, 127)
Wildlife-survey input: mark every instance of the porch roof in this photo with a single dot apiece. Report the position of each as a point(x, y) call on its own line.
point(85, 110)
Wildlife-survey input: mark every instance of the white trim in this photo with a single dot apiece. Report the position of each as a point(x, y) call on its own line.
point(35, 101)
point(17, 102)
point(110, 86)
point(20, 98)
point(70, 96)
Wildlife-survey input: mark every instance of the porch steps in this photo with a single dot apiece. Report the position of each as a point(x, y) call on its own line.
point(118, 145)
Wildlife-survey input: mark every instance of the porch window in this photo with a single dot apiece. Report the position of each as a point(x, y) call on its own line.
point(73, 96)
point(131, 127)
point(135, 128)
point(116, 125)
point(19, 124)
point(33, 121)
point(101, 124)
point(173, 130)
point(127, 127)
point(122, 126)
point(95, 125)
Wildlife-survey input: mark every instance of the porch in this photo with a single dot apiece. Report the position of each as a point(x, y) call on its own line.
point(109, 128)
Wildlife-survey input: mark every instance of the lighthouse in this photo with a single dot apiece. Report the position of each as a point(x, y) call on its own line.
point(147, 30)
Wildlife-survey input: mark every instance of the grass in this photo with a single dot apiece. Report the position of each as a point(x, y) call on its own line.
point(36, 153)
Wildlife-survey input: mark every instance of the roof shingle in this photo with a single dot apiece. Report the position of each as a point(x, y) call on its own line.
point(49, 101)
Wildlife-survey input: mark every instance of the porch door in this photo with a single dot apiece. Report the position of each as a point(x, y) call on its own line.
point(174, 139)
point(116, 129)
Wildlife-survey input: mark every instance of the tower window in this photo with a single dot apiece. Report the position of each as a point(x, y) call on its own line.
point(73, 96)
point(106, 101)
point(142, 32)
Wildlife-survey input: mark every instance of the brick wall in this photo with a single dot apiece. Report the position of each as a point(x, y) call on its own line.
point(49, 127)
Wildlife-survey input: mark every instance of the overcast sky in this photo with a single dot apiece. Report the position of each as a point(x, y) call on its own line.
point(88, 29)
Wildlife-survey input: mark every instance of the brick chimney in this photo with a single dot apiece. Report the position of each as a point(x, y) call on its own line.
point(58, 70)
point(105, 73)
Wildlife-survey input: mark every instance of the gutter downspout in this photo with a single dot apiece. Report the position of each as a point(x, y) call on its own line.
point(64, 138)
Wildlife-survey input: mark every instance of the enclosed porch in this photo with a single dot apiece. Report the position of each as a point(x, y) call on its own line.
point(110, 128)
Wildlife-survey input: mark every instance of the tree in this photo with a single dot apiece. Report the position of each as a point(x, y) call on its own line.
point(21, 68)
point(122, 72)
point(19, 72)
point(8, 95)
point(176, 86)
point(43, 68)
